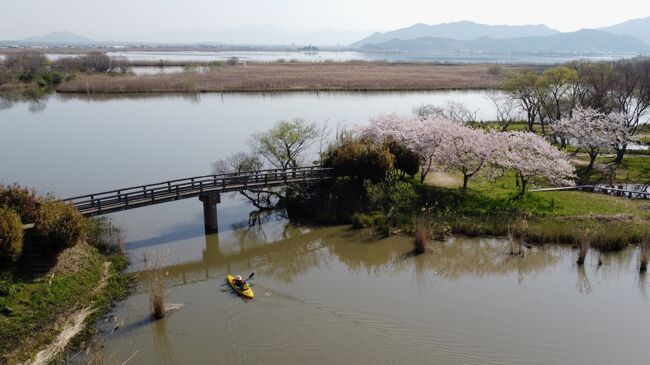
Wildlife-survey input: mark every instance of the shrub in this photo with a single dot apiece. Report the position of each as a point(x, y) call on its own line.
point(391, 195)
point(58, 224)
point(365, 161)
point(11, 236)
point(27, 65)
point(406, 160)
point(361, 220)
point(20, 199)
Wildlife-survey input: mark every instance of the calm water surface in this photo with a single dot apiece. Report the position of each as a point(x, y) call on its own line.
point(323, 295)
point(333, 295)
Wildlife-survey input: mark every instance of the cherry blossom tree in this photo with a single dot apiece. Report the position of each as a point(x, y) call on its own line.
point(422, 135)
point(533, 159)
point(594, 132)
point(468, 150)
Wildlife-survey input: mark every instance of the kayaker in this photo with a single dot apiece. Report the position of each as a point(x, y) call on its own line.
point(238, 281)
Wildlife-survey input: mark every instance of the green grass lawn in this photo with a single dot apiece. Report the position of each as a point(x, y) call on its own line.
point(491, 207)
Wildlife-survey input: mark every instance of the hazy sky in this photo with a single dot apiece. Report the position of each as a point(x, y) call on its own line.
point(94, 18)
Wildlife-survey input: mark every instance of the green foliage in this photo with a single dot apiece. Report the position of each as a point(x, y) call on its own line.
point(391, 195)
point(361, 220)
point(284, 144)
point(406, 160)
point(362, 160)
point(48, 78)
point(20, 199)
point(11, 236)
point(58, 225)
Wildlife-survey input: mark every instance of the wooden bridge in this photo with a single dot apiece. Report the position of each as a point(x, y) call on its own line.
point(208, 188)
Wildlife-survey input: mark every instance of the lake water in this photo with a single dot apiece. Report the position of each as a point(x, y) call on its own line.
point(341, 56)
point(323, 294)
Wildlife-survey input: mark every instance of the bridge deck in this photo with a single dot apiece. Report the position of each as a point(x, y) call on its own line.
point(144, 195)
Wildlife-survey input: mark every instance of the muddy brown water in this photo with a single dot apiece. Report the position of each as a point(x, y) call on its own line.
point(336, 295)
point(324, 295)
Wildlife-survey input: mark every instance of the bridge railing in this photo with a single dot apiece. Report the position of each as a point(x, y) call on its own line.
point(179, 188)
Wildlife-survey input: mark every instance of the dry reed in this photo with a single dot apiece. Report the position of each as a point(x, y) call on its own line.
point(338, 76)
point(421, 237)
point(583, 248)
point(644, 254)
point(157, 284)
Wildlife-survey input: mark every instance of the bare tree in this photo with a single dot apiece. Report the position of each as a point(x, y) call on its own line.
point(522, 88)
point(631, 91)
point(507, 110)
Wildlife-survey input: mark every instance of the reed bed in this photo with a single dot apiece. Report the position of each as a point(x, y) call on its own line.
point(335, 76)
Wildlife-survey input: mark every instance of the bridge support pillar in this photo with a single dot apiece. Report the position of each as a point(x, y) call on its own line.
point(210, 202)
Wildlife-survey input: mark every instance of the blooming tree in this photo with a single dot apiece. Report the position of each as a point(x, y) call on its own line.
point(533, 158)
point(594, 132)
point(421, 135)
point(468, 150)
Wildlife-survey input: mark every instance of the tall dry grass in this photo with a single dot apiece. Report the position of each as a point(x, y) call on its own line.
point(352, 76)
point(517, 234)
point(422, 234)
point(583, 248)
point(644, 254)
point(156, 278)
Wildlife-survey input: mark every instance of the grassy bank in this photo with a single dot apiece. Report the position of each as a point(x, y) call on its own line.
point(564, 217)
point(35, 301)
point(493, 207)
point(335, 76)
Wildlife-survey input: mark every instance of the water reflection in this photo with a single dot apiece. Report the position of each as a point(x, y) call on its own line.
point(464, 300)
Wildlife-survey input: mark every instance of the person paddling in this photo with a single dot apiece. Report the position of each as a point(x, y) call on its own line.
point(239, 282)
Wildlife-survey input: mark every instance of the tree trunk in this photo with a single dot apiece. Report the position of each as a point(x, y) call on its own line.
point(516, 179)
point(592, 159)
point(524, 184)
point(620, 152)
point(465, 180)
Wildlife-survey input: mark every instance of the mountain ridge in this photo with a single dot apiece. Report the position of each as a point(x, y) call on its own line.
point(583, 41)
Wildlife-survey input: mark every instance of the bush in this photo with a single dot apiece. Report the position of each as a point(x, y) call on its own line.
point(361, 220)
point(391, 195)
point(58, 224)
point(406, 160)
point(20, 199)
point(362, 160)
point(11, 236)
point(27, 65)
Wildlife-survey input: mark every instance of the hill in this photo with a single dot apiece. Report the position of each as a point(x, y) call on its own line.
point(582, 41)
point(638, 28)
point(58, 38)
point(464, 30)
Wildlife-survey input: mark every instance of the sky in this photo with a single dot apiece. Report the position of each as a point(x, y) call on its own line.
point(104, 19)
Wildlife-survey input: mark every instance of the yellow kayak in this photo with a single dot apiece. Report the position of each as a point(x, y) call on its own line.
point(247, 292)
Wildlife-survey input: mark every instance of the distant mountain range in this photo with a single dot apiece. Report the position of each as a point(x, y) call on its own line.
point(583, 41)
point(631, 36)
point(59, 38)
point(261, 35)
point(464, 30)
point(638, 28)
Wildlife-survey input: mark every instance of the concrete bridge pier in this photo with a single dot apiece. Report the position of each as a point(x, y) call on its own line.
point(210, 202)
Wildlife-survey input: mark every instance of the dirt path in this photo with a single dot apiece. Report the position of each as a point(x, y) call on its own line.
point(70, 326)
